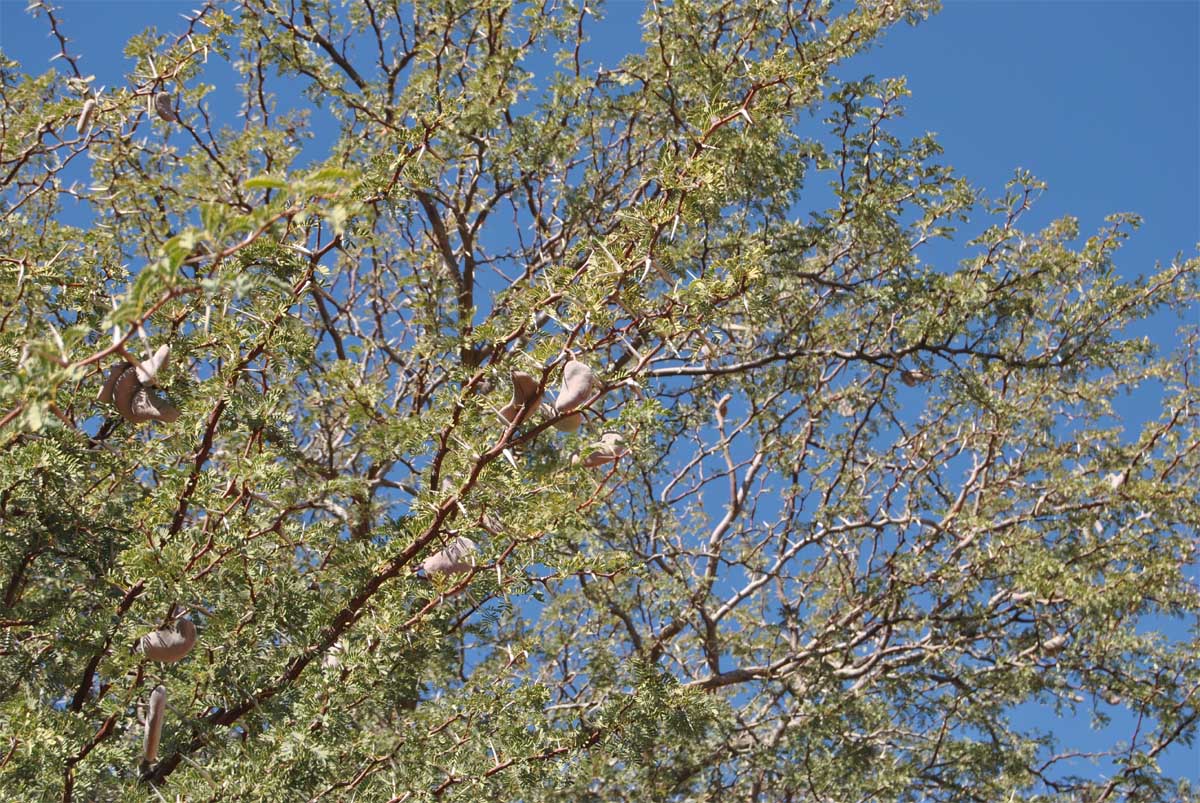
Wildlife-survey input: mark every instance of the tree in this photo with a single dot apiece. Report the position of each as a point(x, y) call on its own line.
point(870, 506)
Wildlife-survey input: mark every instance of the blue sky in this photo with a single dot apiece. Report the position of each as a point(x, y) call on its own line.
point(1099, 99)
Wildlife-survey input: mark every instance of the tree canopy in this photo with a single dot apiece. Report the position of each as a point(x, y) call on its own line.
point(822, 512)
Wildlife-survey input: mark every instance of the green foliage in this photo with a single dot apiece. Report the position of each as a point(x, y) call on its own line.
point(873, 505)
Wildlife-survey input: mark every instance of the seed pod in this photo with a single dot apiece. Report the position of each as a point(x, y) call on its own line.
point(148, 405)
point(576, 388)
point(110, 384)
point(154, 721)
point(914, 378)
point(568, 424)
point(137, 404)
point(163, 107)
point(129, 388)
point(148, 371)
point(453, 559)
point(525, 397)
point(610, 448)
point(171, 643)
point(126, 386)
point(85, 115)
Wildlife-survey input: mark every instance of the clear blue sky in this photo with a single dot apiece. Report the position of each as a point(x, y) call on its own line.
point(1100, 99)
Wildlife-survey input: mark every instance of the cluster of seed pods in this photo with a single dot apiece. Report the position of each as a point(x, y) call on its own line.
point(166, 645)
point(131, 389)
point(161, 103)
point(578, 386)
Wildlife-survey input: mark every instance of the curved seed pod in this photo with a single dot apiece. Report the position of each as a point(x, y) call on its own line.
point(610, 448)
point(148, 371)
point(525, 397)
point(150, 406)
point(154, 721)
point(85, 115)
point(110, 384)
point(136, 402)
point(163, 107)
point(126, 386)
point(171, 643)
point(914, 378)
point(453, 559)
point(568, 424)
point(576, 388)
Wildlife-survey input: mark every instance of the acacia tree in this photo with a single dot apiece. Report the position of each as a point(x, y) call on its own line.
point(872, 503)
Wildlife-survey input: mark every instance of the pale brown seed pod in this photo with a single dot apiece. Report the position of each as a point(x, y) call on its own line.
point(914, 378)
point(85, 115)
point(154, 721)
point(171, 643)
point(163, 107)
point(525, 397)
point(126, 386)
point(150, 406)
point(456, 558)
point(610, 448)
point(129, 389)
point(576, 388)
point(568, 423)
point(147, 372)
point(110, 384)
